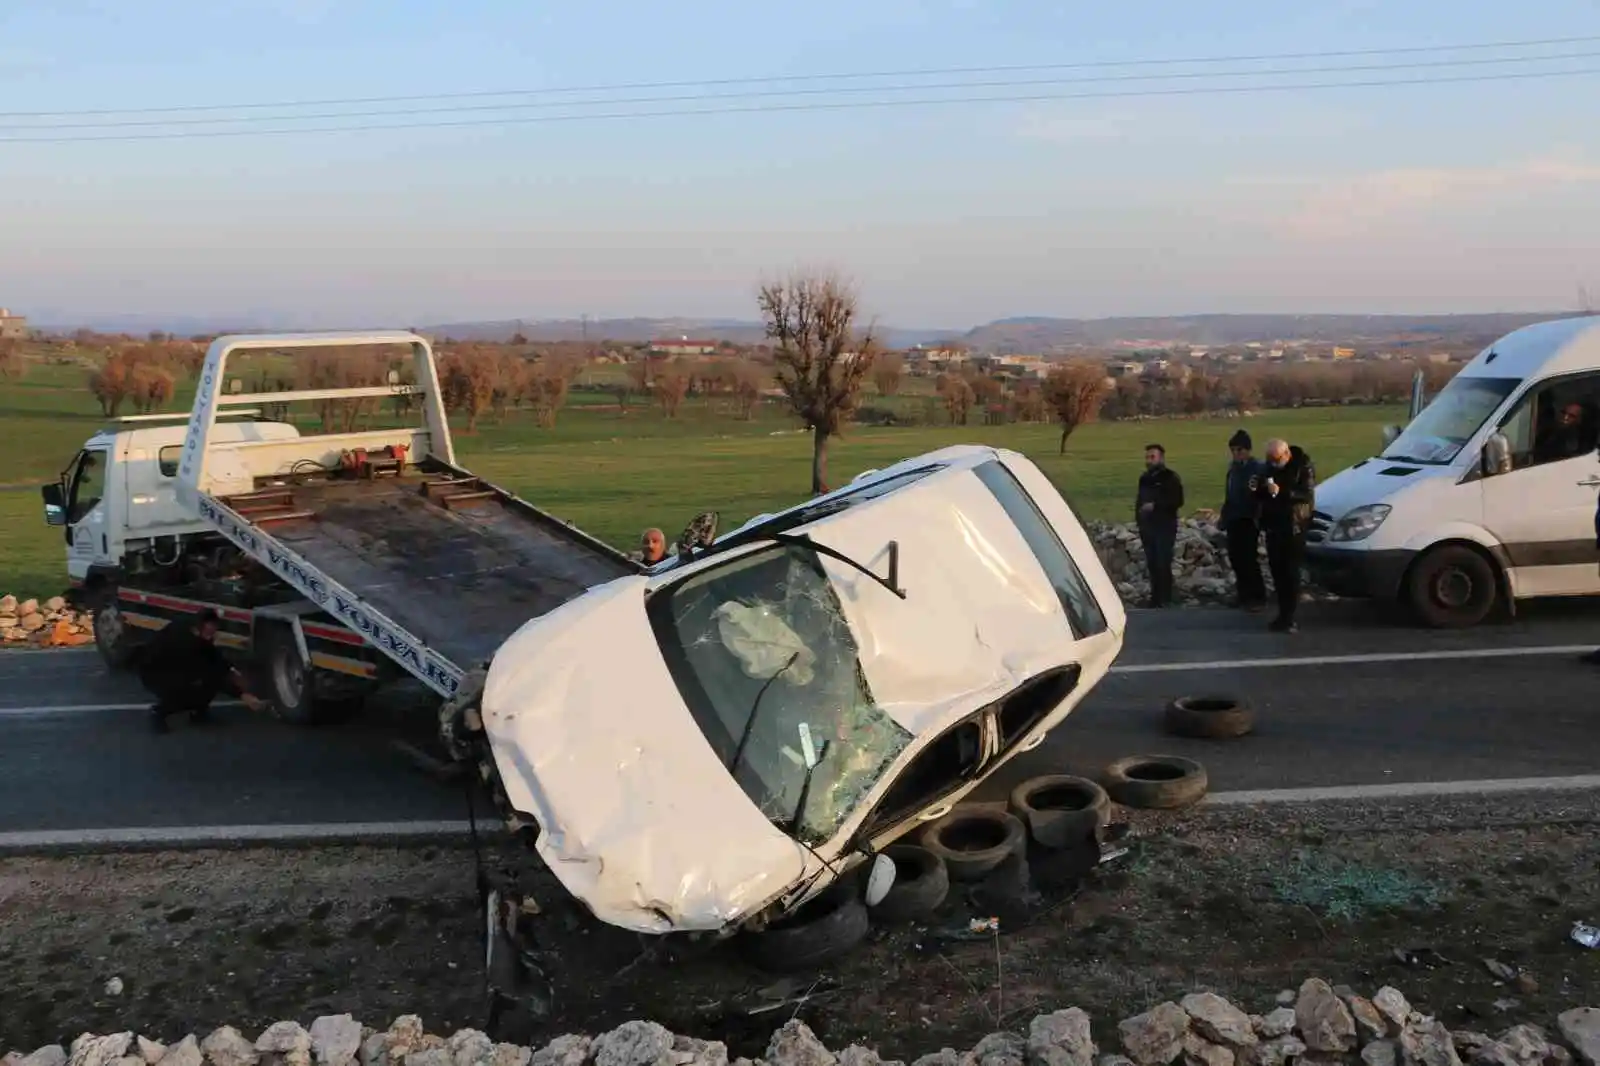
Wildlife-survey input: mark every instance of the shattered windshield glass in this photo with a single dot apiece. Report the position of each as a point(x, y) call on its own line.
point(760, 649)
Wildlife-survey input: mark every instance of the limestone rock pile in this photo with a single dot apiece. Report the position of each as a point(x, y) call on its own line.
point(48, 624)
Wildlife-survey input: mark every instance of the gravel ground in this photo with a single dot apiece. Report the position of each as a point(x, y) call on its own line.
point(1241, 901)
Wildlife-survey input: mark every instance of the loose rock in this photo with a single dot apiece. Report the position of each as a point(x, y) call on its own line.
point(469, 1047)
point(1428, 1043)
point(185, 1052)
point(226, 1047)
point(335, 1039)
point(1324, 1021)
point(49, 1055)
point(1000, 1049)
point(433, 1056)
point(1063, 1038)
point(792, 1045)
point(1198, 1051)
point(1279, 1023)
point(569, 1050)
point(1218, 1020)
point(1393, 1006)
point(1581, 1029)
point(405, 1036)
point(1155, 1037)
point(688, 1051)
point(509, 1055)
point(150, 1051)
point(1380, 1053)
point(99, 1050)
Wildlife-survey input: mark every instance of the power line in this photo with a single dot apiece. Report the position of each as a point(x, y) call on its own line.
point(814, 77)
point(785, 93)
point(849, 105)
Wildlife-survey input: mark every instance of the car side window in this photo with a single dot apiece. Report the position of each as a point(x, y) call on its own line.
point(1556, 421)
point(939, 769)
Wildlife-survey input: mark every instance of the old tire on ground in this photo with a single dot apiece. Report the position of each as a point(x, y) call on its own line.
point(1209, 717)
point(921, 884)
point(1060, 810)
point(817, 933)
point(974, 841)
point(1452, 587)
point(1155, 782)
point(111, 636)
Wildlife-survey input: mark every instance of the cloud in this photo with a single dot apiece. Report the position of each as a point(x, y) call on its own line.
point(1066, 129)
point(1353, 206)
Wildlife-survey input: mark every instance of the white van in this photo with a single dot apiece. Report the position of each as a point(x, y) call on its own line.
point(1487, 497)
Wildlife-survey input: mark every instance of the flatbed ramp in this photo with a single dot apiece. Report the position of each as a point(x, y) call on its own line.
point(459, 563)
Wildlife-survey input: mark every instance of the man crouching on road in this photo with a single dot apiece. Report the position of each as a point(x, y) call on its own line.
point(1287, 488)
point(184, 671)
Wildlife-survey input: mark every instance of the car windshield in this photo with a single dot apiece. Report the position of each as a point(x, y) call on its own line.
point(764, 658)
point(1443, 427)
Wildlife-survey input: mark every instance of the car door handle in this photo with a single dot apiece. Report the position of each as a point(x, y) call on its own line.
point(936, 813)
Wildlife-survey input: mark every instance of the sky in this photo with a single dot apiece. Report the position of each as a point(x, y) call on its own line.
point(1093, 198)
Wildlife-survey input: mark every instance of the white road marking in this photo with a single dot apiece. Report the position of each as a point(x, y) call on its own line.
point(1405, 790)
point(89, 708)
point(1353, 660)
point(222, 835)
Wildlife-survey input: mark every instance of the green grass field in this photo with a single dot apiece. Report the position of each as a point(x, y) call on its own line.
point(614, 473)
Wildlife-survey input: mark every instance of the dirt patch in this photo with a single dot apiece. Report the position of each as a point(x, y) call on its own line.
point(1241, 902)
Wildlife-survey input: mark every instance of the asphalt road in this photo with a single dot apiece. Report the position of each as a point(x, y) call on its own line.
point(1333, 706)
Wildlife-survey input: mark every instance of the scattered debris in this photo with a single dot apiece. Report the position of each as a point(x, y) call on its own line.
point(1585, 934)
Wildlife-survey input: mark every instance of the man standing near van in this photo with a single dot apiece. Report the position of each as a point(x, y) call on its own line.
point(1241, 522)
point(1287, 489)
point(1156, 511)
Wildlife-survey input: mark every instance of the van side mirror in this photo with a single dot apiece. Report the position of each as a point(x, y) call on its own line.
point(1390, 435)
point(55, 504)
point(1496, 455)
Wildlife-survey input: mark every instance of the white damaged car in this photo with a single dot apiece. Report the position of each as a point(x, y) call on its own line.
point(704, 747)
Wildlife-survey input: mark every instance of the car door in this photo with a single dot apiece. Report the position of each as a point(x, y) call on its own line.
point(1542, 509)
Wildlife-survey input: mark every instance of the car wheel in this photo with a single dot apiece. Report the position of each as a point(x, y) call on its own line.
point(921, 884)
point(1060, 810)
point(1452, 587)
point(1155, 782)
point(111, 637)
point(975, 841)
point(1209, 717)
point(819, 931)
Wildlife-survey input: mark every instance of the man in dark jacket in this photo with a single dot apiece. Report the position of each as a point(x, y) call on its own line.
point(1240, 520)
point(184, 670)
point(1287, 490)
point(1156, 511)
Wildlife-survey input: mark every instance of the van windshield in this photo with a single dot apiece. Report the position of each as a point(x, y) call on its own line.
point(1442, 428)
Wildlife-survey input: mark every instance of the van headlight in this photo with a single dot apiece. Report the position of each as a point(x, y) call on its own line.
point(1360, 523)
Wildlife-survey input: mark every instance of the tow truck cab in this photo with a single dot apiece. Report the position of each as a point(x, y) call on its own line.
point(1487, 497)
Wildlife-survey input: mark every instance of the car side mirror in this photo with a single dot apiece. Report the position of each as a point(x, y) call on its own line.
point(55, 504)
point(880, 879)
point(1496, 455)
point(1390, 435)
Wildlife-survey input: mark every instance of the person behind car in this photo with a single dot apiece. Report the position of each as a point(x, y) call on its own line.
point(1156, 507)
point(1241, 523)
point(1287, 490)
point(183, 668)
point(652, 546)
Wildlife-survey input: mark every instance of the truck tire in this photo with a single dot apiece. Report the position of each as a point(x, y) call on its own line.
point(1452, 587)
point(291, 685)
point(111, 637)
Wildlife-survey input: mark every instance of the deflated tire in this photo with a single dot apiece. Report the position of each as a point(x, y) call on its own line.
point(1155, 782)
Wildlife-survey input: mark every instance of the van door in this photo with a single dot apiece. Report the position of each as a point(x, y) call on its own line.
point(1542, 510)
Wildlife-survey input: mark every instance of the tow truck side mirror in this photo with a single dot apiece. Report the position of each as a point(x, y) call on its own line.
point(1390, 435)
point(55, 504)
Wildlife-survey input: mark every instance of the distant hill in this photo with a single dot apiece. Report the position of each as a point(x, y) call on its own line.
point(1052, 334)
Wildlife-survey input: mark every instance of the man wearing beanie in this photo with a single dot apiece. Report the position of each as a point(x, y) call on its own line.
point(1241, 522)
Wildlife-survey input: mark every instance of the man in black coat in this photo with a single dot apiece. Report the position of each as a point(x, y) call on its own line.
point(184, 670)
point(1287, 490)
point(1241, 522)
point(1156, 512)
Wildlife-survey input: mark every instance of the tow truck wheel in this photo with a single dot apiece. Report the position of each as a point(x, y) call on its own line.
point(1452, 587)
point(111, 636)
point(291, 683)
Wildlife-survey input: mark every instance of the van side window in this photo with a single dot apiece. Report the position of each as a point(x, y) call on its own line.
point(1555, 422)
point(168, 459)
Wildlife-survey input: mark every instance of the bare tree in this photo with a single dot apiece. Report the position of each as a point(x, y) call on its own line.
point(671, 386)
point(748, 381)
point(549, 381)
point(887, 372)
point(1075, 392)
point(958, 396)
point(820, 360)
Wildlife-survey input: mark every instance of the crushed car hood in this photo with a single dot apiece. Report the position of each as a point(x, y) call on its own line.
point(591, 739)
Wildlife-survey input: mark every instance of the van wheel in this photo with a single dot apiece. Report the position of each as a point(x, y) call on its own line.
point(1452, 587)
